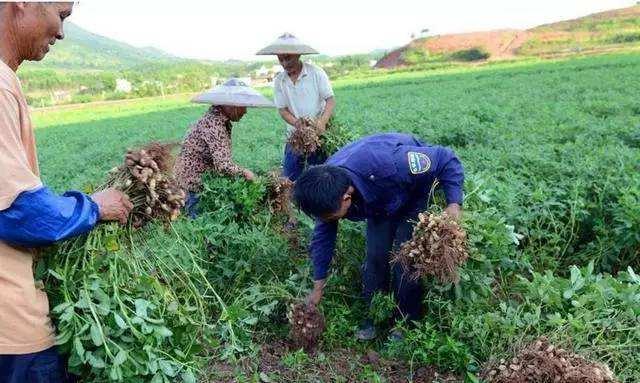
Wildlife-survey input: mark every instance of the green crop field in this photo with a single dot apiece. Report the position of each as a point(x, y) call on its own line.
point(552, 158)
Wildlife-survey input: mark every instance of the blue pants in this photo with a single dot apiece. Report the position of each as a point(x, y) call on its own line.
point(383, 235)
point(39, 367)
point(294, 164)
point(191, 205)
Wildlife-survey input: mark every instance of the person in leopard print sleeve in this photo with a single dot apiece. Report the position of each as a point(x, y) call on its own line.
point(207, 145)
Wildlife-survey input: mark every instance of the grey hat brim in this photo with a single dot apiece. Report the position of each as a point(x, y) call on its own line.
point(283, 49)
point(233, 96)
point(287, 44)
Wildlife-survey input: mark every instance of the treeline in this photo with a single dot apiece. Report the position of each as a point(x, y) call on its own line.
point(48, 85)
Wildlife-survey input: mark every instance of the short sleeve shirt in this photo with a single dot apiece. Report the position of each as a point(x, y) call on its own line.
point(307, 97)
point(25, 326)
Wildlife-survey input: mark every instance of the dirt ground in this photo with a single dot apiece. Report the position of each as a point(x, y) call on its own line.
point(280, 362)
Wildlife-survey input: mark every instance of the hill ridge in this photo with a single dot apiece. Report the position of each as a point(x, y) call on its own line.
point(601, 30)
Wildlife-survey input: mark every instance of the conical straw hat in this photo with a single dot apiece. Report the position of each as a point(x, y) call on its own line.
point(235, 93)
point(287, 44)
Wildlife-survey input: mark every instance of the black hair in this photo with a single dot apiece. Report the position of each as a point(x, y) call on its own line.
point(319, 190)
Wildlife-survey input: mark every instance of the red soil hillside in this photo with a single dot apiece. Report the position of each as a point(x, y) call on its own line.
point(499, 44)
point(589, 32)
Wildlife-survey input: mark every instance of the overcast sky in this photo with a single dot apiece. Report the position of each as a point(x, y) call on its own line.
point(214, 29)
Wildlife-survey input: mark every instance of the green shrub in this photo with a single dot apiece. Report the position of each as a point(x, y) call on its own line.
point(472, 54)
point(415, 56)
point(623, 38)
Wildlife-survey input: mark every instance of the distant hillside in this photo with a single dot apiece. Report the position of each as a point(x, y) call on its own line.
point(625, 18)
point(82, 49)
point(616, 29)
point(86, 67)
point(600, 31)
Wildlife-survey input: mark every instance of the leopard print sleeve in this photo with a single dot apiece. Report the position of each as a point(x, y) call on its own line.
point(218, 141)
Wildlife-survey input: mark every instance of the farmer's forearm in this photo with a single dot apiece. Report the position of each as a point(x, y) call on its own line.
point(450, 173)
point(314, 298)
point(321, 248)
point(40, 218)
point(319, 285)
point(328, 110)
point(287, 116)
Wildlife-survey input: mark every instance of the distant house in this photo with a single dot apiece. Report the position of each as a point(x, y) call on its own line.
point(123, 86)
point(264, 76)
point(372, 63)
point(262, 72)
point(58, 96)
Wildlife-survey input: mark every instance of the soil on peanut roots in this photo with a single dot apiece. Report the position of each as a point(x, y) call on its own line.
point(542, 362)
point(305, 140)
point(437, 248)
point(145, 177)
point(279, 189)
point(307, 324)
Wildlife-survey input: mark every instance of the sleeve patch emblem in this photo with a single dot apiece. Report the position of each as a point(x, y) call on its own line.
point(418, 162)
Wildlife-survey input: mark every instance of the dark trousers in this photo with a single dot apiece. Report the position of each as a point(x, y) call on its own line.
point(294, 164)
point(191, 205)
point(384, 235)
point(39, 367)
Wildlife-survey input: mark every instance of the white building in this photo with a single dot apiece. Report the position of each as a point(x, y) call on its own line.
point(123, 86)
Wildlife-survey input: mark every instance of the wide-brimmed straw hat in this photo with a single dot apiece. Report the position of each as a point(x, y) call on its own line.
point(287, 44)
point(234, 93)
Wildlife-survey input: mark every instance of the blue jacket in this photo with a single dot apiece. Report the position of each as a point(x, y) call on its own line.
point(391, 174)
point(39, 217)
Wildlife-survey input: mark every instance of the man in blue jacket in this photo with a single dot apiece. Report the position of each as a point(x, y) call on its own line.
point(385, 179)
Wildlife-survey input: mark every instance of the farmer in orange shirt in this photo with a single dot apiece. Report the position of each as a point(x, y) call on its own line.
point(30, 214)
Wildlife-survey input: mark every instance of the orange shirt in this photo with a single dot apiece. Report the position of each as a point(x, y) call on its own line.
point(25, 326)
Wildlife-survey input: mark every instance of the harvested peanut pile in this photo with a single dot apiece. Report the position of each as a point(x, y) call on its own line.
point(305, 140)
point(145, 178)
point(541, 362)
point(307, 324)
point(279, 192)
point(437, 247)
